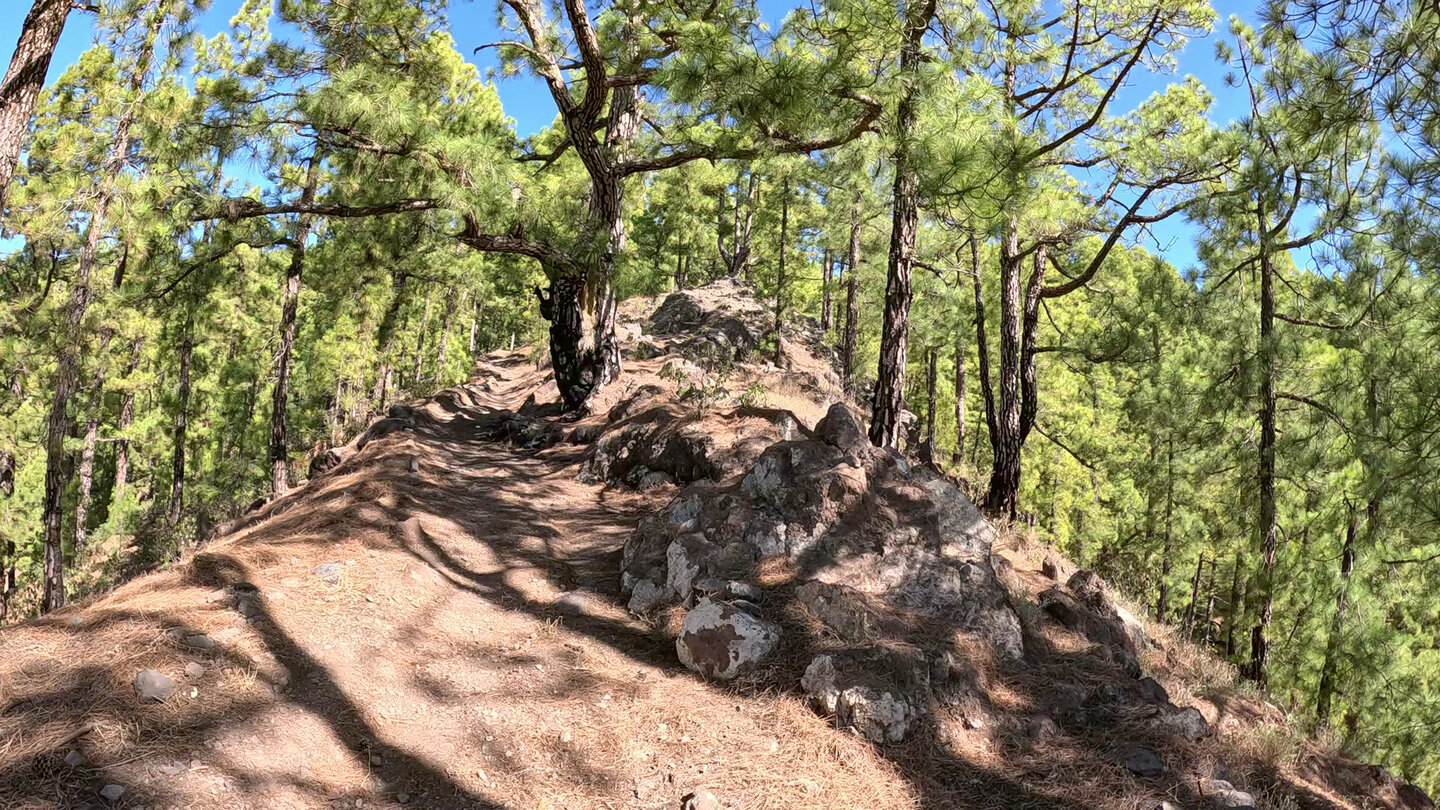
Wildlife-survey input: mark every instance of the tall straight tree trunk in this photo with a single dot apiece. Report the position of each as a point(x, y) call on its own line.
point(1268, 528)
point(958, 456)
point(1192, 611)
point(1162, 602)
point(7, 543)
point(889, 397)
point(825, 271)
point(127, 417)
point(1235, 608)
point(385, 341)
point(24, 79)
point(1326, 690)
point(848, 342)
point(87, 452)
point(679, 271)
point(72, 333)
point(418, 361)
point(182, 424)
point(280, 395)
point(444, 339)
point(927, 447)
point(982, 346)
point(780, 280)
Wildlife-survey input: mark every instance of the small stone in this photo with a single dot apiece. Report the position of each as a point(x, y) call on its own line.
point(329, 572)
point(720, 640)
point(198, 641)
point(701, 799)
point(194, 669)
point(403, 798)
point(1223, 794)
point(112, 793)
point(247, 607)
point(1145, 762)
point(74, 759)
point(1188, 724)
point(645, 596)
point(377, 760)
point(572, 602)
point(414, 464)
point(1051, 568)
point(153, 685)
point(566, 736)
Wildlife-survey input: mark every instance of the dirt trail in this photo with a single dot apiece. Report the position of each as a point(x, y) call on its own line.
point(471, 653)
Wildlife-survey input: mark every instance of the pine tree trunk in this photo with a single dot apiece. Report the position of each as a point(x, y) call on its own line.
point(419, 359)
point(1192, 611)
point(958, 456)
point(182, 422)
point(58, 422)
point(23, 81)
point(7, 543)
point(679, 271)
point(444, 338)
point(825, 272)
point(385, 341)
point(127, 417)
point(889, 397)
point(1209, 604)
point(87, 453)
point(280, 395)
point(780, 280)
point(1162, 602)
point(1235, 608)
point(848, 342)
point(848, 345)
point(1005, 442)
point(475, 327)
point(1269, 530)
point(927, 447)
point(1326, 690)
point(982, 351)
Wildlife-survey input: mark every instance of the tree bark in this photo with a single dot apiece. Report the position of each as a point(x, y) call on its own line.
point(1192, 611)
point(418, 361)
point(280, 395)
point(848, 342)
point(1328, 674)
point(182, 423)
point(444, 339)
point(927, 447)
point(1235, 608)
point(87, 452)
point(958, 456)
point(825, 272)
point(385, 341)
point(71, 334)
point(127, 417)
point(780, 279)
point(7, 543)
point(1162, 601)
point(982, 345)
point(1268, 528)
point(889, 397)
point(23, 81)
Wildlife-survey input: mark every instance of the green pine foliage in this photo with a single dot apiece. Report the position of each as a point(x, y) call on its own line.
point(364, 146)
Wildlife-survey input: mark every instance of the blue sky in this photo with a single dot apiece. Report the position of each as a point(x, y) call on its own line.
point(526, 100)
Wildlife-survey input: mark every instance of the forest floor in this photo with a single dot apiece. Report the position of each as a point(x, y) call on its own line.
point(438, 622)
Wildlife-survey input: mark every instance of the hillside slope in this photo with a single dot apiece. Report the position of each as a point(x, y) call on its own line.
point(451, 614)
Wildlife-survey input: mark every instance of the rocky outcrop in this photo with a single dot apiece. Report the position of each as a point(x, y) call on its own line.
point(649, 438)
point(880, 693)
point(1084, 605)
point(874, 549)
